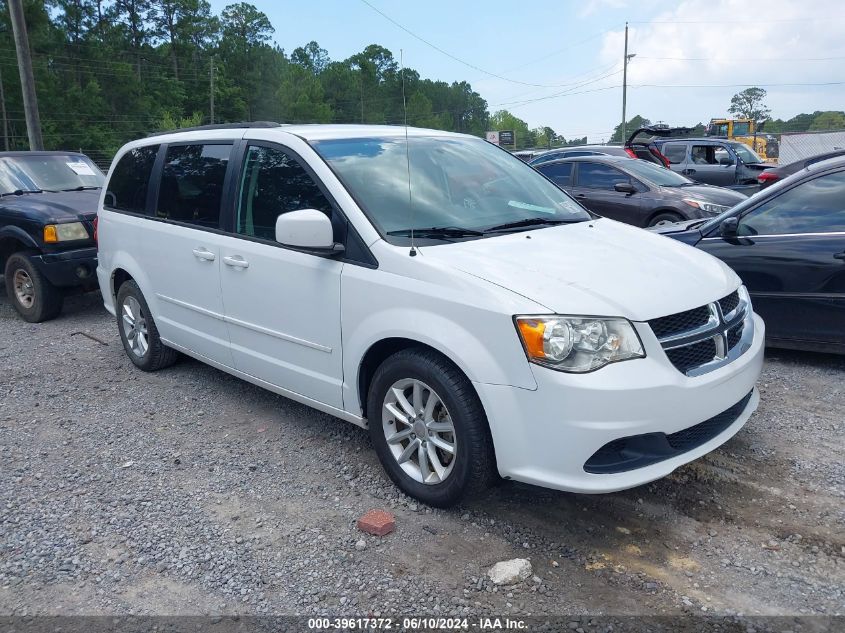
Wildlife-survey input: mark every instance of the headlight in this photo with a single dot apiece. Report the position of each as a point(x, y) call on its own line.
point(707, 207)
point(65, 232)
point(578, 344)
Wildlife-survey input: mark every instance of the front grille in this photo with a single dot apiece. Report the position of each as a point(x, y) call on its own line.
point(637, 451)
point(729, 303)
point(680, 322)
point(735, 335)
point(701, 433)
point(692, 356)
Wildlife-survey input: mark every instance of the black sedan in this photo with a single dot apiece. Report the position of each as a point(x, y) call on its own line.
point(635, 191)
point(787, 243)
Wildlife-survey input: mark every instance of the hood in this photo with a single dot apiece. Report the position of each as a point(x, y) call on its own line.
point(51, 208)
point(601, 268)
point(687, 231)
point(706, 193)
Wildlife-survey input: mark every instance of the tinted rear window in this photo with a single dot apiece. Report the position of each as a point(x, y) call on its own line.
point(127, 188)
point(192, 184)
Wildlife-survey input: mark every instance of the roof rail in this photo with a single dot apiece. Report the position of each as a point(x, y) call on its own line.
point(218, 126)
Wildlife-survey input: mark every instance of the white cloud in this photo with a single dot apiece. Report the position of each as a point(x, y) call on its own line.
point(699, 43)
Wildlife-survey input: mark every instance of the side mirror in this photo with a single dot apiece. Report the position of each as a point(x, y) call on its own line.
point(728, 227)
point(308, 229)
point(625, 187)
point(726, 160)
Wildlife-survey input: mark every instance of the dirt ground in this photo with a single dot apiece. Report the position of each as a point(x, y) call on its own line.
point(191, 492)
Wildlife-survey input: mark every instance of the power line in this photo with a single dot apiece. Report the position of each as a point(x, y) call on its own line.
point(753, 21)
point(745, 59)
point(453, 57)
point(742, 85)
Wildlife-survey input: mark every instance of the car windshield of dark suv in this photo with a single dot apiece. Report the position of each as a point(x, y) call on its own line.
point(51, 172)
point(458, 187)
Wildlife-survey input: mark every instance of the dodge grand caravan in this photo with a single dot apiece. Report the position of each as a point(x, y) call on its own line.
point(433, 288)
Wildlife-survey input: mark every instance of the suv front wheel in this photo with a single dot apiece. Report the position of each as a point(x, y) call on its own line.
point(138, 330)
point(32, 295)
point(429, 428)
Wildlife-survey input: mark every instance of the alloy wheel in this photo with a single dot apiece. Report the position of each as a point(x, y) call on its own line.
point(419, 431)
point(135, 326)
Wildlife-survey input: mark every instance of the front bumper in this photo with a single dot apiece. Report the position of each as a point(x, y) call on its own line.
point(69, 268)
point(546, 435)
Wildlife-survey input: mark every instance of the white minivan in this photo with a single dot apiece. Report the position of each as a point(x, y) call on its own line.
point(435, 289)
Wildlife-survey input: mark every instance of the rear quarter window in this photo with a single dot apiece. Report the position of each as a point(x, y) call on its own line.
point(129, 182)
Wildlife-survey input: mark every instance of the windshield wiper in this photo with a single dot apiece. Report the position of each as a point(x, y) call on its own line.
point(82, 188)
point(525, 223)
point(20, 192)
point(438, 231)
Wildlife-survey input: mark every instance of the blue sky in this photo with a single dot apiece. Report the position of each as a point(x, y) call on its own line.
point(692, 56)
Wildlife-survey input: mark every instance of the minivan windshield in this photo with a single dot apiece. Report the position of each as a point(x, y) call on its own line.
point(655, 174)
point(461, 187)
point(48, 172)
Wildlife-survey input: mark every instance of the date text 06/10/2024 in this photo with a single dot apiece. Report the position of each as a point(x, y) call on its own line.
point(417, 624)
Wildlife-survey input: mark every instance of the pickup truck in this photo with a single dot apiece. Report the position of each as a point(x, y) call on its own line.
point(48, 206)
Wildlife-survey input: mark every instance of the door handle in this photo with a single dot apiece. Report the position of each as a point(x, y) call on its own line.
point(580, 195)
point(204, 254)
point(840, 255)
point(235, 261)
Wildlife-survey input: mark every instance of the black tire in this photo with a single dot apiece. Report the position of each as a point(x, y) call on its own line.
point(45, 300)
point(666, 216)
point(157, 355)
point(474, 467)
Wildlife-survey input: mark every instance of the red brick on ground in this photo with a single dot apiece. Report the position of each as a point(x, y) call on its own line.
point(377, 523)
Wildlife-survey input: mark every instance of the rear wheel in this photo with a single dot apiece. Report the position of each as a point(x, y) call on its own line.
point(138, 331)
point(429, 428)
point(662, 219)
point(32, 295)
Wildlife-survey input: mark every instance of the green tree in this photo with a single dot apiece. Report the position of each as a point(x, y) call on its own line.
point(748, 104)
point(630, 126)
point(830, 120)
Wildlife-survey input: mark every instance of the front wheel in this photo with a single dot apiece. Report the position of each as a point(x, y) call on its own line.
point(663, 219)
point(32, 294)
point(429, 428)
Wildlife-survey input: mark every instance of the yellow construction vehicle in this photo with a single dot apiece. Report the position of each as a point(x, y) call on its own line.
point(746, 131)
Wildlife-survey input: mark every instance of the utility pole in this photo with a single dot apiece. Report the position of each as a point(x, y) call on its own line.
point(5, 120)
point(30, 101)
point(625, 61)
point(211, 90)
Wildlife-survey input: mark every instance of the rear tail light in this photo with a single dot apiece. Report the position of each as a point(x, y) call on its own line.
point(767, 177)
point(631, 152)
point(96, 235)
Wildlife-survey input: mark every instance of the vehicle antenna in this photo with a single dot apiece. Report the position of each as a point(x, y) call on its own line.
point(413, 252)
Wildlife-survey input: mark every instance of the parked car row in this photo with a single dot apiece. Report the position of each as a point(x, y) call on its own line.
point(477, 315)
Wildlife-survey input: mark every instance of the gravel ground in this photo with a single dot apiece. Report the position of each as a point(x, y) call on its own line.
point(191, 492)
